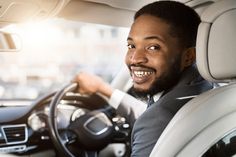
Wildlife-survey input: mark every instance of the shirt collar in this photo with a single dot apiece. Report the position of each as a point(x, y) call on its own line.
point(157, 96)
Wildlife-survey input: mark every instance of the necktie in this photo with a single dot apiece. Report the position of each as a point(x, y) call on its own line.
point(150, 101)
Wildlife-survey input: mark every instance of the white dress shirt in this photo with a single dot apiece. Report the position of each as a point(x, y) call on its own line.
point(118, 95)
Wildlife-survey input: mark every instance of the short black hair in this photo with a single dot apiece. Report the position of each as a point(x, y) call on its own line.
point(182, 19)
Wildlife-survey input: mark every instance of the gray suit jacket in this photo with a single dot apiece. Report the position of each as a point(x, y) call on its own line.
point(149, 126)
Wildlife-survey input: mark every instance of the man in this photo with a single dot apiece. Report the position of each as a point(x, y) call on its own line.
point(161, 61)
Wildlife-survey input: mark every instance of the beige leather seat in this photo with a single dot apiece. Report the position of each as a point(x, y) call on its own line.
point(212, 115)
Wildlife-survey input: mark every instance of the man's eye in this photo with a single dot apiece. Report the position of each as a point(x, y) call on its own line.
point(130, 46)
point(156, 47)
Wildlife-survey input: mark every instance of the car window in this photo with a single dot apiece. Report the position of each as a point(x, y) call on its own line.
point(54, 51)
point(225, 147)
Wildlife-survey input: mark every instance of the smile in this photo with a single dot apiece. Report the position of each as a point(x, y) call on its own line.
point(141, 74)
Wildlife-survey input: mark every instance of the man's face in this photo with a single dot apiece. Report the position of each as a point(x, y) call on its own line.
point(153, 56)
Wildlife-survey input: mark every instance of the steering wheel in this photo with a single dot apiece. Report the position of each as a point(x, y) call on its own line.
point(91, 131)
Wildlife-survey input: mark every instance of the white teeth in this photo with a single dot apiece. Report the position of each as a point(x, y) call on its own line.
point(142, 73)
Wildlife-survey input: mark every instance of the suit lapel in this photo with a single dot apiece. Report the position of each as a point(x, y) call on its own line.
point(189, 86)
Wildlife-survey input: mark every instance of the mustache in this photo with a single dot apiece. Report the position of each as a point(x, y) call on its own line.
point(140, 66)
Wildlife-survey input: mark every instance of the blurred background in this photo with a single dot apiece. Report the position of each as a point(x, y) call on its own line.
point(53, 51)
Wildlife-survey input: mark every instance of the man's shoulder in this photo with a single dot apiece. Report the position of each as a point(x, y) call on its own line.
point(174, 99)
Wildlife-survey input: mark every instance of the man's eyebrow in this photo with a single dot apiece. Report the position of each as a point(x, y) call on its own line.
point(154, 37)
point(150, 38)
point(129, 38)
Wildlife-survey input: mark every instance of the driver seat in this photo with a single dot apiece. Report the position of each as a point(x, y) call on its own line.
point(211, 116)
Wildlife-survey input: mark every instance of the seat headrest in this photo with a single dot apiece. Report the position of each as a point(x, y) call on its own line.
point(216, 42)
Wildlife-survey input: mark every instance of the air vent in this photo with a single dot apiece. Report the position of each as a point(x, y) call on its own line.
point(15, 133)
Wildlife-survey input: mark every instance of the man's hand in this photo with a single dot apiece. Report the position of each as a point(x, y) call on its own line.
point(90, 84)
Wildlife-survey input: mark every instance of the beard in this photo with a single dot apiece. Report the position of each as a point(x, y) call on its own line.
point(163, 83)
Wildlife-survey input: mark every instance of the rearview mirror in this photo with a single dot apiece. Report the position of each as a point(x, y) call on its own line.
point(9, 42)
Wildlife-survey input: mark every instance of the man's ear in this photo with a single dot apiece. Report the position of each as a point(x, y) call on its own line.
point(188, 57)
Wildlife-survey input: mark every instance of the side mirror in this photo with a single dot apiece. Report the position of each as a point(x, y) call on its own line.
point(9, 42)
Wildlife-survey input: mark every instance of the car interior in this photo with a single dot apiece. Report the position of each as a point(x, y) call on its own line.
point(59, 123)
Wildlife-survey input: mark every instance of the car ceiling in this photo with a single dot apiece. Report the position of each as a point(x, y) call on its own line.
point(110, 12)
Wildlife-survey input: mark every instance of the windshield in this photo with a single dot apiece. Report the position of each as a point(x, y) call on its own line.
point(54, 51)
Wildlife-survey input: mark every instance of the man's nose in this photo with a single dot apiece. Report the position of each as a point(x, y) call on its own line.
point(138, 56)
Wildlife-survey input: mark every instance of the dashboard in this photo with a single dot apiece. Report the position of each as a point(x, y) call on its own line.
point(24, 128)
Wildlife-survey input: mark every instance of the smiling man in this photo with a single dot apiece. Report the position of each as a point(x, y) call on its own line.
point(161, 61)
point(154, 56)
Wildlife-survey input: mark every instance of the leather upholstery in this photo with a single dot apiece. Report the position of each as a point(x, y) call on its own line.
point(216, 42)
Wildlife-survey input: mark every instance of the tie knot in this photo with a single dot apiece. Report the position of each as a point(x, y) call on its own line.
point(150, 101)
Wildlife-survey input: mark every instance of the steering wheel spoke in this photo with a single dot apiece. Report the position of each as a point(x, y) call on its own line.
point(67, 137)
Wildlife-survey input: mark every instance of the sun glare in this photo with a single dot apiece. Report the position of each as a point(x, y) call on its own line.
point(41, 32)
point(54, 50)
